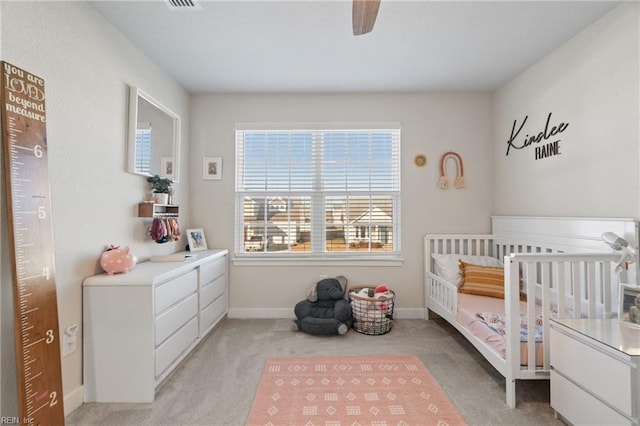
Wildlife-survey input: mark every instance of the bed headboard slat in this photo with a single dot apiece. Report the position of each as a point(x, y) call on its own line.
point(529, 234)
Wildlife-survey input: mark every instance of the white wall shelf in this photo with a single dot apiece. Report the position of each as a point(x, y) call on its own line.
point(153, 210)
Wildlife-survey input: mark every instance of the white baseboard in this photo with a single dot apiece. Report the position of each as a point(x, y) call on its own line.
point(407, 313)
point(260, 313)
point(73, 400)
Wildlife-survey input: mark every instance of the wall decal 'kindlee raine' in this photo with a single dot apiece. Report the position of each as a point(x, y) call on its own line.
point(548, 149)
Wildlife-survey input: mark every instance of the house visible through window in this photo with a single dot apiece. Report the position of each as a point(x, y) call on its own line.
point(318, 191)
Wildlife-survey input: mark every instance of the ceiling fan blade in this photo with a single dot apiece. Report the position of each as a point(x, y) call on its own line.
point(364, 15)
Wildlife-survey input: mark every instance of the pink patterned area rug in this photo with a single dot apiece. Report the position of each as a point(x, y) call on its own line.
point(350, 390)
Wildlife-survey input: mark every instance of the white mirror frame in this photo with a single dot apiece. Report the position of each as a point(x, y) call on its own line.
point(135, 94)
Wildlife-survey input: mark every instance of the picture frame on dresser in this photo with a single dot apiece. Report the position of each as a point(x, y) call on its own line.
point(629, 305)
point(196, 239)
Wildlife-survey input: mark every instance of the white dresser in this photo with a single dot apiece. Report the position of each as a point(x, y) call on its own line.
point(138, 327)
point(595, 371)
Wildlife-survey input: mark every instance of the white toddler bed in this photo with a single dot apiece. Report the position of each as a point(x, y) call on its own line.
point(563, 262)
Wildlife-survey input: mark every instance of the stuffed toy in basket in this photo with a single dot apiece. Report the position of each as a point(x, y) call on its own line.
point(325, 311)
point(372, 309)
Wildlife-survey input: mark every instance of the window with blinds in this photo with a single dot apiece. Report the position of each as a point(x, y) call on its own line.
point(143, 148)
point(318, 191)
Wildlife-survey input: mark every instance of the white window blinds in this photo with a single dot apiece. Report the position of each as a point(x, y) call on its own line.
point(143, 148)
point(318, 191)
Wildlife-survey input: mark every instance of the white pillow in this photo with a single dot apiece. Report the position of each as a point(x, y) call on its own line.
point(447, 267)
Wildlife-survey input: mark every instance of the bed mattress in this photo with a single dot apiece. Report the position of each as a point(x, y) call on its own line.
point(470, 305)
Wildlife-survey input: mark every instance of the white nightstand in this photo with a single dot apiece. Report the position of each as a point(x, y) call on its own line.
point(595, 371)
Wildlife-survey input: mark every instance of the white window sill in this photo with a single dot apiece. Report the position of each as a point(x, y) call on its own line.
point(346, 260)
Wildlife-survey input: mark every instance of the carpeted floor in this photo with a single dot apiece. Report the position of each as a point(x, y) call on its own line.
point(217, 384)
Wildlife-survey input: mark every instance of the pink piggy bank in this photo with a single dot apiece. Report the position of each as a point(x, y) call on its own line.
point(118, 260)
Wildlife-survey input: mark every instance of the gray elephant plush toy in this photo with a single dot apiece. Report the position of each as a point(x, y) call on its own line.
point(325, 311)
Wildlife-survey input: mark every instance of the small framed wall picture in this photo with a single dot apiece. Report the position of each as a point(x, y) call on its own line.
point(166, 167)
point(629, 306)
point(196, 239)
point(212, 168)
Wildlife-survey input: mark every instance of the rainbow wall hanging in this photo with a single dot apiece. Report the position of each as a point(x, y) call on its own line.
point(459, 180)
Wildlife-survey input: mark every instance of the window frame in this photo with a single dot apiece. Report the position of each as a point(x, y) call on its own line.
point(318, 253)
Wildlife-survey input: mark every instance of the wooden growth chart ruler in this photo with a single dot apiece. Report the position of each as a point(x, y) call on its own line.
point(31, 240)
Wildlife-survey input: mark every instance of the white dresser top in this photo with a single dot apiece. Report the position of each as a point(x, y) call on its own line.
point(151, 273)
point(611, 332)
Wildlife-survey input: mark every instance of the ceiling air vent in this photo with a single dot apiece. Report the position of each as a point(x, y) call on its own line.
point(183, 4)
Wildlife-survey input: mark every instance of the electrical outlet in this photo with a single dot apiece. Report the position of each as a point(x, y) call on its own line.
point(69, 340)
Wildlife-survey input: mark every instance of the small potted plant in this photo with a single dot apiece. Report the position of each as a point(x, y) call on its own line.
point(160, 188)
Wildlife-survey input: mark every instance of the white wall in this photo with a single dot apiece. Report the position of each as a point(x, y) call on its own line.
point(592, 83)
point(87, 67)
point(431, 124)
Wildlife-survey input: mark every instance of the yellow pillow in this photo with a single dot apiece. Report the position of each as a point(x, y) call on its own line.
point(481, 280)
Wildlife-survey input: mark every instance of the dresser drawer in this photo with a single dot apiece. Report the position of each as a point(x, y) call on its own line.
point(175, 345)
point(579, 407)
point(173, 291)
point(209, 293)
point(610, 379)
point(175, 317)
point(212, 313)
point(212, 270)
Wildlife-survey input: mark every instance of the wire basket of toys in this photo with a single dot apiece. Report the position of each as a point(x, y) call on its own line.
point(372, 309)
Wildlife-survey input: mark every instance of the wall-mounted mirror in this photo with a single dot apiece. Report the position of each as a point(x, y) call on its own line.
point(154, 137)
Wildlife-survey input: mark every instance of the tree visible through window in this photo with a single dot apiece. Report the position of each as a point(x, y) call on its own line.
point(318, 191)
